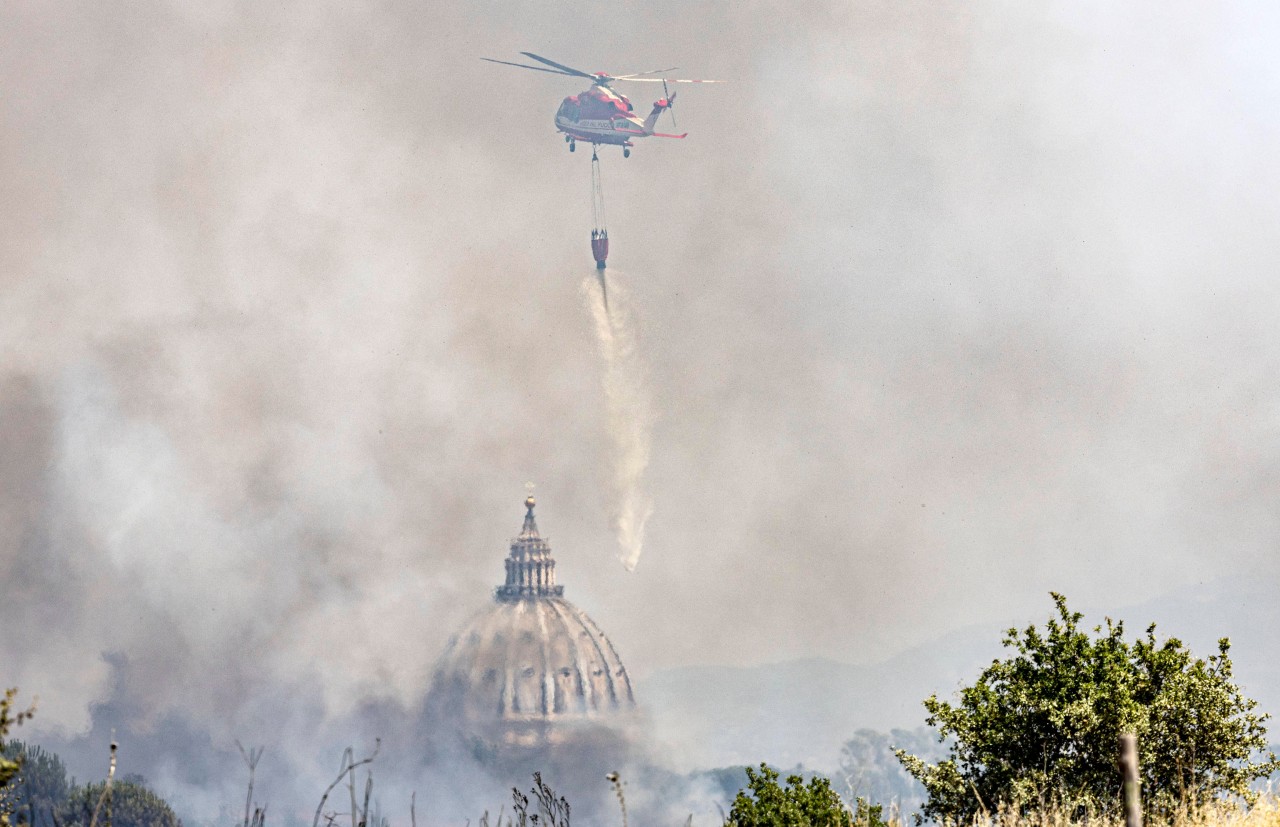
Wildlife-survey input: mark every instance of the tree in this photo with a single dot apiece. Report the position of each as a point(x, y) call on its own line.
point(1039, 729)
point(798, 804)
point(132, 805)
point(40, 787)
point(9, 766)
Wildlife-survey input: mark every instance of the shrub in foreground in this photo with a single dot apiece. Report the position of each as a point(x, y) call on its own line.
point(1037, 732)
point(766, 803)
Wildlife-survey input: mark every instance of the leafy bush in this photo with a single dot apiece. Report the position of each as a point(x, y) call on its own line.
point(815, 804)
point(132, 805)
point(1038, 730)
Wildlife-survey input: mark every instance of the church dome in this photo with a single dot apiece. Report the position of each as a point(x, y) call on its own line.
point(532, 668)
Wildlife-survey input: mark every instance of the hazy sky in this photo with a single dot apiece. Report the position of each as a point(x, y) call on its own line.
point(944, 305)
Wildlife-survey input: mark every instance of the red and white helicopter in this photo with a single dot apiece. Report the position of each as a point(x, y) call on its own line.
point(602, 116)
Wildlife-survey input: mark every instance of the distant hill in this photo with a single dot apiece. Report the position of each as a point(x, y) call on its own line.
point(802, 711)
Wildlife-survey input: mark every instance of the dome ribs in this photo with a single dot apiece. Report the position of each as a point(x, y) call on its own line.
point(510, 703)
point(616, 666)
point(581, 663)
point(568, 681)
point(602, 666)
point(548, 676)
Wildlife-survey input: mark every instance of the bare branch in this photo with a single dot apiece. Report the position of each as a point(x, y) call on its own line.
point(106, 789)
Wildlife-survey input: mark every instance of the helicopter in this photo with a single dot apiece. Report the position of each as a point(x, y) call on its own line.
point(602, 116)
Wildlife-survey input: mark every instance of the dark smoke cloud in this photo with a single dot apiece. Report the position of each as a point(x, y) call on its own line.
point(944, 306)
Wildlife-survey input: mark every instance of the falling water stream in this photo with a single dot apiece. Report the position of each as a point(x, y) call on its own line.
point(629, 409)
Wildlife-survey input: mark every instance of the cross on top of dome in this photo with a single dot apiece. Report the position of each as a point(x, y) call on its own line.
point(531, 571)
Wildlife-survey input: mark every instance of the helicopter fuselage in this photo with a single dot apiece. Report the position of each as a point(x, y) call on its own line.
point(601, 132)
point(600, 116)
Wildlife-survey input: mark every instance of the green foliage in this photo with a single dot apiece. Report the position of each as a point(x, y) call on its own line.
point(9, 765)
point(770, 804)
point(866, 814)
point(1039, 729)
point(41, 786)
point(132, 805)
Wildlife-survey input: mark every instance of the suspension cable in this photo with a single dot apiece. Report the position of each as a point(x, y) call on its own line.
point(597, 194)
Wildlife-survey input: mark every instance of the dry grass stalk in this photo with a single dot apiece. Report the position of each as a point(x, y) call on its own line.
point(368, 791)
point(1224, 813)
point(251, 759)
point(348, 767)
point(351, 788)
point(616, 781)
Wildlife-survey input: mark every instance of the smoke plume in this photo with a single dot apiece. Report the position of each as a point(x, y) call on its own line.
point(630, 412)
point(985, 305)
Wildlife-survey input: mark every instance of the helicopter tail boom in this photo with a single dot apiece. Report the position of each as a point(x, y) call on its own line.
point(660, 106)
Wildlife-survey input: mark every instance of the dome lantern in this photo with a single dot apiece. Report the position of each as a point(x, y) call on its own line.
point(531, 570)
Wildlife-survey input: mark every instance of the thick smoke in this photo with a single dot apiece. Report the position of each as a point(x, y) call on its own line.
point(946, 304)
point(630, 410)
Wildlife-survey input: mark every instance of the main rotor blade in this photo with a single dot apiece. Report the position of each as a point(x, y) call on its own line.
point(666, 80)
point(566, 69)
point(523, 66)
point(642, 74)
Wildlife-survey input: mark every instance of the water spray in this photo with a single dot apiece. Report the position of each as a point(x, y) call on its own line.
point(629, 414)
